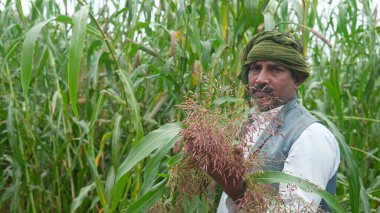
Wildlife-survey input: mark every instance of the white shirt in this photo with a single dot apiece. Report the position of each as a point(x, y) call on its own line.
point(314, 156)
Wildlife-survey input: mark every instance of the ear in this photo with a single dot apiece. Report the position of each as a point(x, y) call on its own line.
point(298, 80)
point(296, 87)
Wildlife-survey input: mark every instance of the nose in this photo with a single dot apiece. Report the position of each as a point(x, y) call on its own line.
point(262, 77)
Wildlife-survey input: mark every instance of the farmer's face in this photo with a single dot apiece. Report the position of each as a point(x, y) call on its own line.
point(270, 84)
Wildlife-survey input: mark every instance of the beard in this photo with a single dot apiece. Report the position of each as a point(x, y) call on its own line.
point(263, 97)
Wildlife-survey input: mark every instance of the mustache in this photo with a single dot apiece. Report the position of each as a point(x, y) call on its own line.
point(265, 88)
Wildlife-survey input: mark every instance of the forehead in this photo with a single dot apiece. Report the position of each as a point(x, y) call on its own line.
point(268, 64)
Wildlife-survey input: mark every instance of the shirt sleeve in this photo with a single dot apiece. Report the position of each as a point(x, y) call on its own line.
point(315, 157)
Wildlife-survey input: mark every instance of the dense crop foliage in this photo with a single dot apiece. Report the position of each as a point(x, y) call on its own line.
point(85, 85)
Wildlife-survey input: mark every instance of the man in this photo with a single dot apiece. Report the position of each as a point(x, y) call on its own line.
point(273, 67)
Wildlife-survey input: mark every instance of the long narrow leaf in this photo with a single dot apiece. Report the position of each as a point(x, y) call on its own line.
point(131, 99)
point(224, 14)
point(94, 170)
point(90, 150)
point(20, 11)
point(82, 195)
point(147, 145)
point(98, 109)
point(149, 199)
point(154, 140)
point(27, 55)
point(117, 191)
point(75, 54)
point(269, 177)
point(115, 147)
point(152, 166)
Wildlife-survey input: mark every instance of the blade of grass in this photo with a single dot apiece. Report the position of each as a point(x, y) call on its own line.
point(154, 140)
point(132, 103)
point(269, 177)
point(90, 151)
point(27, 55)
point(98, 109)
point(147, 145)
point(77, 202)
point(75, 54)
point(151, 167)
point(148, 199)
point(116, 134)
point(20, 12)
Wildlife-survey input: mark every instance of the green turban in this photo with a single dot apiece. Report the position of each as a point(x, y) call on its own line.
point(273, 46)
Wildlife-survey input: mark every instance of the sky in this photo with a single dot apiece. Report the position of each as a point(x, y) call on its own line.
point(324, 6)
point(26, 4)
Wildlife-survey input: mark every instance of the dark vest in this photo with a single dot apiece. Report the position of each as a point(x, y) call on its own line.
point(277, 139)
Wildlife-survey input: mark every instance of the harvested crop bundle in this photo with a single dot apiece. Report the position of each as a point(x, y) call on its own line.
point(214, 144)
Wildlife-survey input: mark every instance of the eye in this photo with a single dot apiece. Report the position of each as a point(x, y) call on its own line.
point(278, 69)
point(254, 68)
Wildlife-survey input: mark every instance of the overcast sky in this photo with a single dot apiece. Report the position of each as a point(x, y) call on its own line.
point(324, 6)
point(26, 4)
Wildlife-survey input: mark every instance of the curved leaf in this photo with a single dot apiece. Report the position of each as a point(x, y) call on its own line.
point(153, 164)
point(253, 12)
point(269, 22)
point(131, 99)
point(98, 109)
point(75, 54)
point(82, 195)
point(27, 55)
point(115, 144)
point(148, 199)
point(269, 177)
point(147, 145)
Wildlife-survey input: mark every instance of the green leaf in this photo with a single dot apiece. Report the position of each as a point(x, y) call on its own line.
point(117, 191)
point(298, 9)
point(115, 147)
point(20, 12)
point(342, 20)
point(364, 197)
point(252, 12)
point(89, 29)
point(148, 199)
point(269, 22)
point(147, 145)
point(154, 140)
point(64, 19)
point(94, 170)
point(153, 164)
point(353, 175)
point(224, 14)
point(98, 109)
point(90, 150)
point(75, 54)
point(27, 55)
point(82, 195)
point(133, 104)
point(269, 177)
